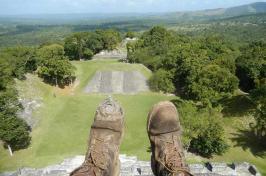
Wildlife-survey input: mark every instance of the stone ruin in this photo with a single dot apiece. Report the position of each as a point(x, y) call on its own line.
point(114, 54)
point(29, 106)
point(131, 166)
point(118, 82)
point(120, 53)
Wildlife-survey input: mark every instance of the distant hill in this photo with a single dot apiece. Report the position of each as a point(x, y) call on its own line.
point(209, 14)
point(259, 7)
point(221, 13)
point(34, 30)
point(154, 18)
point(254, 8)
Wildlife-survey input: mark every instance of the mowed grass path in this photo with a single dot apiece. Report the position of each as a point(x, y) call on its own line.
point(65, 120)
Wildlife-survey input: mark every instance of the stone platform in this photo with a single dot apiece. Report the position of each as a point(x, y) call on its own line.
point(119, 82)
point(131, 166)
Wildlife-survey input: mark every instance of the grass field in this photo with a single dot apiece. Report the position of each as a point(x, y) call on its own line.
point(65, 120)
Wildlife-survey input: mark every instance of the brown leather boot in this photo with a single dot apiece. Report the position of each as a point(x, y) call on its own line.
point(102, 158)
point(164, 132)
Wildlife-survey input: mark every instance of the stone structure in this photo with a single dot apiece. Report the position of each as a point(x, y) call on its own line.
point(114, 54)
point(120, 82)
point(29, 106)
point(120, 53)
point(130, 166)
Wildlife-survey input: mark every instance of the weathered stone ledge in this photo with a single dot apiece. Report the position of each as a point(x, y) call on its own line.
point(130, 166)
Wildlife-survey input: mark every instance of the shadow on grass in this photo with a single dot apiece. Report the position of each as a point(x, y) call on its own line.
point(148, 149)
point(239, 105)
point(247, 140)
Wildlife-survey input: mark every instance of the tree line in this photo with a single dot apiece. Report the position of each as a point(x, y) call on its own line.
point(203, 70)
point(84, 45)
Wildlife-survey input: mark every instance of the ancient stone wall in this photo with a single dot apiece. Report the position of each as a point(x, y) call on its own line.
point(130, 166)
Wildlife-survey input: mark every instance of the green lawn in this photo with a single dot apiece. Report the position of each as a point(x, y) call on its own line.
point(65, 120)
point(243, 145)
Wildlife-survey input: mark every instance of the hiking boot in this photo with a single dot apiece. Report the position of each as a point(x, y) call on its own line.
point(164, 132)
point(102, 157)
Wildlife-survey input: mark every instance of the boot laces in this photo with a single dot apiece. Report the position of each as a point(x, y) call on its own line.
point(172, 158)
point(97, 159)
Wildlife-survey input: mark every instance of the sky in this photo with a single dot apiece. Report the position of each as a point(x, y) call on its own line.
point(15, 7)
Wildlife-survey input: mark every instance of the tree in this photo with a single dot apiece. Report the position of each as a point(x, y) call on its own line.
point(210, 141)
point(88, 54)
point(212, 84)
point(14, 132)
point(54, 67)
point(202, 129)
point(192, 120)
point(95, 42)
point(75, 44)
point(111, 38)
point(251, 70)
point(130, 35)
point(258, 96)
point(21, 60)
point(50, 51)
point(5, 73)
point(161, 80)
point(151, 47)
point(144, 56)
point(158, 39)
point(57, 71)
point(9, 104)
point(251, 65)
point(201, 69)
point(185, 62)
point(80, 45)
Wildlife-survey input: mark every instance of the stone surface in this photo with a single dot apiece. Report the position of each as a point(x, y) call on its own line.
point(131, 166)
point(29, 106)
point(119, 82)
point(114, 54)
point(127, 40)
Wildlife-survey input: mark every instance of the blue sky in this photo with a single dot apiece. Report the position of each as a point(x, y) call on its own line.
point(111, 6)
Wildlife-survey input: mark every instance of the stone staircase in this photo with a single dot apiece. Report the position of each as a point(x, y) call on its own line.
point(131, 166)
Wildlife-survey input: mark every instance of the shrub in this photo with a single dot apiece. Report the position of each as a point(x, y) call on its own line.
point(191, 119)
point(130, 34)
point(14, 132)
point(202, 132)
point(161, 80)
point(88, 54)
point(57, 71)
point(50, 51)
point(210, 141)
